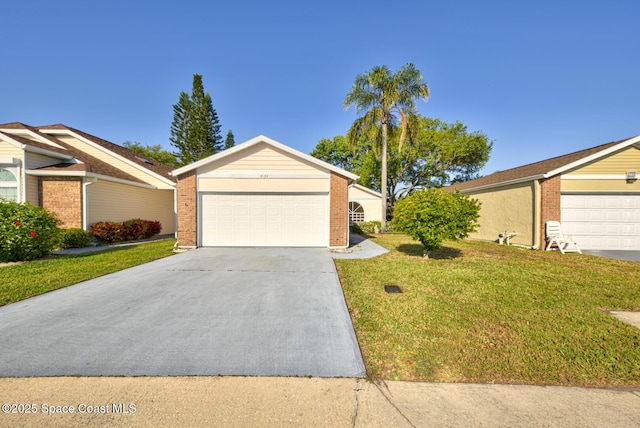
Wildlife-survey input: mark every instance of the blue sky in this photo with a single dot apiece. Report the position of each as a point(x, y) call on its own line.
point(540, 78)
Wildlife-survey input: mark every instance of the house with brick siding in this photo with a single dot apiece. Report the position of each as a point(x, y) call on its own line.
point(83, 179)
point(262, 193)
point(594, 193)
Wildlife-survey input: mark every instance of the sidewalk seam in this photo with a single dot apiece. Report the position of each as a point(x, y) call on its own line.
point(354, 419)
point(375, 383)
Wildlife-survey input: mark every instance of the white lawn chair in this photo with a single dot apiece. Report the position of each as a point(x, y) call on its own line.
point(555, 236)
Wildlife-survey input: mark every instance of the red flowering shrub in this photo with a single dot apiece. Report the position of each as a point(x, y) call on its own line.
point(27, 232)
point(130, 230)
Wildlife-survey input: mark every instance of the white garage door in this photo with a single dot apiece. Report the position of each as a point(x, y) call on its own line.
point(602, 222)
point(265, 220)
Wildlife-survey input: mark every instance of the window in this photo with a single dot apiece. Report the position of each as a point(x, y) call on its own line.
point(356, 212)
point(8, 185)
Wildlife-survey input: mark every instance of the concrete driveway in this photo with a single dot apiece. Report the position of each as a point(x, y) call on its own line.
point(211, 311)
point(615, 254)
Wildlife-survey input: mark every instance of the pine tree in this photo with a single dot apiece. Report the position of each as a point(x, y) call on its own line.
point(195, 130)
point(230, 141)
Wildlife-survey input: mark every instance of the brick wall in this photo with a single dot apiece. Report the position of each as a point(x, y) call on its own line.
point(187, 210)
point(549, 204)
point(339, 212)
point(62, 196)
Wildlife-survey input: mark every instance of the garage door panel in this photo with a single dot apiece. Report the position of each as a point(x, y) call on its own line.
point(602, 222)
point(265, 220)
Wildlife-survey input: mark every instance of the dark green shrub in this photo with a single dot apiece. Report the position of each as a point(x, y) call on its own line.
point(74, 238)
point(129, 230)
point(27, 232)
point(434, 215)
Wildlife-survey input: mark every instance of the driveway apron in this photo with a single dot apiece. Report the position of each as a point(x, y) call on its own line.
point(210, 311)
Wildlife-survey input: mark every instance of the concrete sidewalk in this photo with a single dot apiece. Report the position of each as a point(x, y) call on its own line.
point(330, 402)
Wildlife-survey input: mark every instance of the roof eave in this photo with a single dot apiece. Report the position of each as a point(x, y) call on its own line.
point(502, 183)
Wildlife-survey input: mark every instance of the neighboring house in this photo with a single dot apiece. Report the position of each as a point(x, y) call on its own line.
point(364, 204)
point(593, 192)
point(262, 193)
point(81, 178)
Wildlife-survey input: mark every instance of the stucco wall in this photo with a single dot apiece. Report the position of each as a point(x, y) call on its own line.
point(509, 208)
point(108, 201)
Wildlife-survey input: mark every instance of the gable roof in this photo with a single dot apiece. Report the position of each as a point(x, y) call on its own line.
point(42, 139)
point(266, 140)
point(155, 167)
point(546, 168)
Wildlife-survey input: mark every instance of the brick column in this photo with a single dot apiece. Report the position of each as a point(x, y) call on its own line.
point(549, 204)
point(63, 197)
point(187, 210)
point(339, 212)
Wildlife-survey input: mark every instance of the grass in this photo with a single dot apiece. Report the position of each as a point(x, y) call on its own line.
point(482, 312)
point(24, 280)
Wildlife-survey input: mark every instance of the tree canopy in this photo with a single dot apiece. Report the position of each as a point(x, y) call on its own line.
point(435, 155)
point(385, 100)
point(156, 153)
point(195, 130)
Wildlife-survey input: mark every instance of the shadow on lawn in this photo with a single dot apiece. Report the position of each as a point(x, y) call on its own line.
point(444, 253)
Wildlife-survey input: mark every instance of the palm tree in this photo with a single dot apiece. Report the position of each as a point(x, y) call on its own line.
point(381, 96)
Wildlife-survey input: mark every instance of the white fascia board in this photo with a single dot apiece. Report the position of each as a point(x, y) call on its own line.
point(367, 190)
point(105, 150)
point(49, 173)
point(33, 149)
point(33, 134)
point(503, 183)
point(263, 139)
point(595, 156)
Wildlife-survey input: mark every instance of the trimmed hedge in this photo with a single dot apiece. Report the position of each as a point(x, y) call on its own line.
point(74, 238)
point(27, 232)
point(368, 227)
point(130, 230)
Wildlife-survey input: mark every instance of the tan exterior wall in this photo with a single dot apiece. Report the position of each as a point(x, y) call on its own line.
point(600, 185)
point(260, 157)
point(108, 201)
point(112, 160)
point(263, 184)
point(616, 163)
point(371, 204)
point(32, 191)
point(9, 151)
point(62, 196)
point(187, 203)
point(509, 208)
point(339, 212)
point(37, 160)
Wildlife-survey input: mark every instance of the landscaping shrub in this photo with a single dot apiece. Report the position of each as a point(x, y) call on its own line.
point(27, 232)
point(129, 230)
point(433, 215)
point(74, 238)
point(373, 226)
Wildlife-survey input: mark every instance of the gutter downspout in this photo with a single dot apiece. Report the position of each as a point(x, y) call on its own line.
point(85, 216)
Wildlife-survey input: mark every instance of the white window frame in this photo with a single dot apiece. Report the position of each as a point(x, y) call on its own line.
point(356, 216)
point(13, 168)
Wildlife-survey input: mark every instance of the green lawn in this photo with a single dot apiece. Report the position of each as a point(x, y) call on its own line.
point(482, 312)
point(20, 281)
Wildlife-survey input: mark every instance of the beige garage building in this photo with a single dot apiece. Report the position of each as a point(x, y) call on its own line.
point(593, 192)
point(265, 194)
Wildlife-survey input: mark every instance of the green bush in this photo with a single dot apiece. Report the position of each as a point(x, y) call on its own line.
point(434, 215)
point(74, 238)
point(27, 232)
point(373, 226)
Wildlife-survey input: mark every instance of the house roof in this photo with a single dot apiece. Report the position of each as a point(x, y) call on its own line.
point(545, 168)
point(266, 140)
point(142, 161)
point(78, 160)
